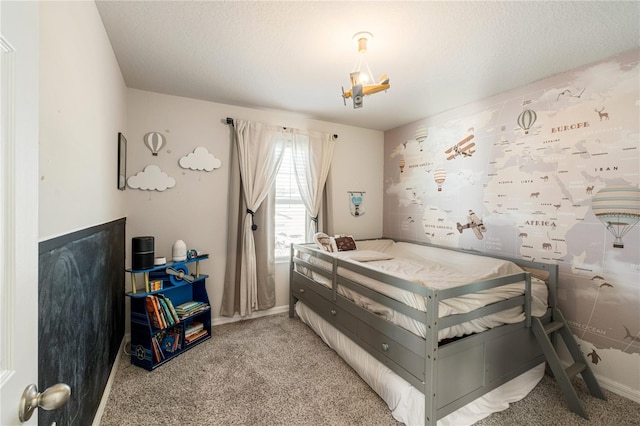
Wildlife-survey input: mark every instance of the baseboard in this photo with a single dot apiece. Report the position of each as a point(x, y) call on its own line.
point(107, 389)
point(620, 389)
point(257, 314)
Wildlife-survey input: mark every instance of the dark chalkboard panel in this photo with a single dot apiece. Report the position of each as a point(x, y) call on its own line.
point(81, 316)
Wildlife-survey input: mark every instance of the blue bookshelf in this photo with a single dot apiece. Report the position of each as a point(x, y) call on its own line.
point(169, 319)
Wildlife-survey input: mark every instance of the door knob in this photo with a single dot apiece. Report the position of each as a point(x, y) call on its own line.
point(53, 397)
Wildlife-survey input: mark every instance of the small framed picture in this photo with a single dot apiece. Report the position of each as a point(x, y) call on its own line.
point(122, 162)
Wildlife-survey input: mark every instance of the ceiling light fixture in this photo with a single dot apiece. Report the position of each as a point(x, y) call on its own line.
point(361, 76)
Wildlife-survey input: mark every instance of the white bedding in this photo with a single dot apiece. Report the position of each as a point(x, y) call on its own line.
point(433, 268)
point(405, 401)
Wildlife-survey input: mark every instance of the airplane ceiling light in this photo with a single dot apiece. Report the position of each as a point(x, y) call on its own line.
point(362, 79)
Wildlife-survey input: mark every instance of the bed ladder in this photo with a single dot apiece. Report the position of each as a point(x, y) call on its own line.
point(580, 366)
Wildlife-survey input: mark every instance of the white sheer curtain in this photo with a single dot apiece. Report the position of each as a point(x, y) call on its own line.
point(260, 148)
point(312, 155)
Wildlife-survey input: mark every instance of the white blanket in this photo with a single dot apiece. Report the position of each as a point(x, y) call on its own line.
point(433, 268)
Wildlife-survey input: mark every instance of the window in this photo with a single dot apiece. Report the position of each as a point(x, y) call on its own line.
point(290, 211)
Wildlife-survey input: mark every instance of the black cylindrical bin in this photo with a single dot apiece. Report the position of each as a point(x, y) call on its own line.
point(142, 252)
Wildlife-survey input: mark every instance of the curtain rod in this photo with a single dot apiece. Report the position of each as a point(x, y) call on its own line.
point(230, 121)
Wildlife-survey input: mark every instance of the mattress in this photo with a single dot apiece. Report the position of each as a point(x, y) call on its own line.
point(405, 401)
point(434, 268)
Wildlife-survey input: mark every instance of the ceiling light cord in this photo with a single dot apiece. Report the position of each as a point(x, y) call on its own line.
point(358, 67)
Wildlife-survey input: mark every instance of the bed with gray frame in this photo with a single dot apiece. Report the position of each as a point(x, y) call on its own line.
point(490, 358)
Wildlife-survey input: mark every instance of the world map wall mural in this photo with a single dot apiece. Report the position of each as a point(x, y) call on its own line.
point(538, 173)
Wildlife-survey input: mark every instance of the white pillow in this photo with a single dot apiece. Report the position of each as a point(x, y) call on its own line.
point(325, 242)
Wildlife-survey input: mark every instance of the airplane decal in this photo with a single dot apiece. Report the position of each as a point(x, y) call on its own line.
point(462, 148)
point(474, 223)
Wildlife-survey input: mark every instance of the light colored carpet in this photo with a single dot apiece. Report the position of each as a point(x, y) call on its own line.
point(276, 371)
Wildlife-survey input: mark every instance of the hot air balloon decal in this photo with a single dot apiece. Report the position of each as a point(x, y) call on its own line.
point(439, 176)
point(421, 134)
point(526, 120)
point(154, 141)
point(401, 166)
point(618, 207)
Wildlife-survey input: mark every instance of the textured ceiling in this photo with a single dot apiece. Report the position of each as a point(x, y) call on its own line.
point(296, 55)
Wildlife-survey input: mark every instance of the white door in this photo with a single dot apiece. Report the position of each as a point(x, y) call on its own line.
point(19, 199)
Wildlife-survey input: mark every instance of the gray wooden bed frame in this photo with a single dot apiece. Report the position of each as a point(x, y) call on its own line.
point(450, 374)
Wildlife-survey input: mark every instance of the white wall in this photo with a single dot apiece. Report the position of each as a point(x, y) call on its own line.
point(82, 109)
point(358, 164)
point(195, 210)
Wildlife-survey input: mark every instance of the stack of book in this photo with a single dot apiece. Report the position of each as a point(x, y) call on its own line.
point(170, 340)
point(166, 342)
point(161, 312)
point(194, 331)
point(190, 309)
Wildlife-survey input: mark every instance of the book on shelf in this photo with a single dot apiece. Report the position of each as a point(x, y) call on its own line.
point(160, 312)
point(190, 309)
point(187, 305)
point(170, 342)
point(157, 350)
point(194, 331)
point(165, 311)
point(152, 311)
point(156, 355)
point(177, 332)
point(193, 328)
point(195, 336)
point(172, 310)
point(155, 285)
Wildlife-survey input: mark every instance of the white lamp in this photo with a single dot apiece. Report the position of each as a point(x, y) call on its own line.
point(179, 251)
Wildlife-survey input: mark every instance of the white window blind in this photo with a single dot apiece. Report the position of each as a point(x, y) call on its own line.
point(290, 211)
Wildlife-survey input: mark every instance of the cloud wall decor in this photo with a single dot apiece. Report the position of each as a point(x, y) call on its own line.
point(151, 179)
point(200, 159)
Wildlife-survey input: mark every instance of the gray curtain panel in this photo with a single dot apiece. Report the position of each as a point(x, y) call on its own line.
point(263, 235)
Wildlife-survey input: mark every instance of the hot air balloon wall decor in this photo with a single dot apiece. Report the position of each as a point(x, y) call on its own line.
point(154, 141)
point(526, 119)
point(439, 176)
point(421, 134)
point(355, 203)
point(618, 208)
